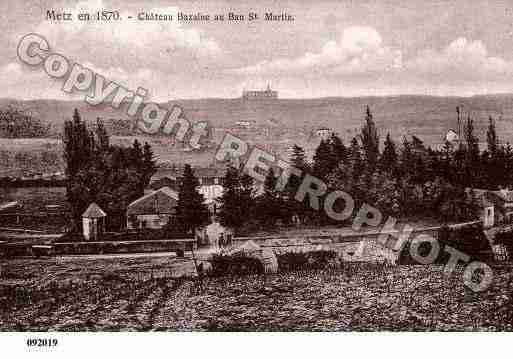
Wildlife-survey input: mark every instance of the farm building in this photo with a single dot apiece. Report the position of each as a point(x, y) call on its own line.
point(503, 202)
point(452, 137)
point(496, 206)
point(93, 222)
point(486, 207)
point(153, 210)
point(210, 179)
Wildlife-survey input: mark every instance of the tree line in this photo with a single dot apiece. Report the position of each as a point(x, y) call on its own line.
point(97, 171)
point(18, 123)
point(400, 180)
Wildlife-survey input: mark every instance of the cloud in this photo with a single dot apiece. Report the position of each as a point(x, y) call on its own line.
point(360, 64)
point(130, 43)
point(461, 60)
point(26, 82)
point(23, 82)
point(359, 50)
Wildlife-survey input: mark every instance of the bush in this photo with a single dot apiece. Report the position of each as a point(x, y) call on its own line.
point(237, 264)
point(319, 259)
point(469, 239)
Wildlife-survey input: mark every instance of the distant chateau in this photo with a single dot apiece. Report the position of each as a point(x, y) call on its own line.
point(260, 95)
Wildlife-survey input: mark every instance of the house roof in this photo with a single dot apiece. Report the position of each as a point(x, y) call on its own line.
point(165, 182)
point(199, 172)
point(505, 195)
point(162, 201)
point(9, 205)
point(451, 135)
point(480, 195)
point(94, 211)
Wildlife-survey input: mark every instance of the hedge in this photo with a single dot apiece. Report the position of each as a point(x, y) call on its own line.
point(318, 259)
point(236, 264)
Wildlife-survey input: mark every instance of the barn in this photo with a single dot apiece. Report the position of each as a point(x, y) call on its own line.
point(153, 210)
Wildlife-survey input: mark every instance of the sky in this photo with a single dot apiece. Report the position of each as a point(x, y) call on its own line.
point(331, 48)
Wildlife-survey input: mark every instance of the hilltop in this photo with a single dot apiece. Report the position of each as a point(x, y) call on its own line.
point(425, 116)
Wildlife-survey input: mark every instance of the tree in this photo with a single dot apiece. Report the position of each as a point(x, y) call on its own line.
point(102, 136)
point(457, 205)
point(295, 209)
point(370, 142)
point(384, 194)
point(472, 142)
point(472, 167)
point(78, 154)
point(323, 160)
point(149, 165)
point(491, 138)
point(191, 211)
point(269, 202)
point(247, 194)
point(338, 150)
point(96, 171)
point(298, 158)
point(229, 210)
point(355, 159)
point(348, 177)
point(388, 160)
point(406, 158)
point(237, 202)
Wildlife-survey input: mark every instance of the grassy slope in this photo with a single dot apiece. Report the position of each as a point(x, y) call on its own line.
point(424, 116)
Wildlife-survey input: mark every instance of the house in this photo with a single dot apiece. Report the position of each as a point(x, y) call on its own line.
point(323, 133)
point(211, 194)
point(93, 222)
point(205, 175)
point(486, 207)
point(209, 178)
point(451, 136)
point(503, 202)
point(243, 124)
point(153, 210)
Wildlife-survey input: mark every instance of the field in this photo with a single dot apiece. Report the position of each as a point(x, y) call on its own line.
point(425, 116)
point(151, 294)
point(42, 208)
point(33, 147)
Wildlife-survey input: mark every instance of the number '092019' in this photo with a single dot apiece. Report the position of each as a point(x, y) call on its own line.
point(42, 342)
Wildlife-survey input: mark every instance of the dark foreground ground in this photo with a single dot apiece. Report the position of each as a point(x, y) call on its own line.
point(146, 294)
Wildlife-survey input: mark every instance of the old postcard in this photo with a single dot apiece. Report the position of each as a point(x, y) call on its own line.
point(295, 166)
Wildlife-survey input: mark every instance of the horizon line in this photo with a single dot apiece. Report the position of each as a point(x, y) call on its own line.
point(280, 98)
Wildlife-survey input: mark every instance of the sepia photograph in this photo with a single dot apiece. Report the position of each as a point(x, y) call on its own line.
point(241, 166)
